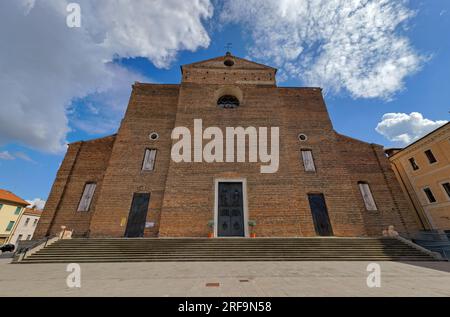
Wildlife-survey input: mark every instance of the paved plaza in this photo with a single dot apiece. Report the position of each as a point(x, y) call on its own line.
point(238, 279)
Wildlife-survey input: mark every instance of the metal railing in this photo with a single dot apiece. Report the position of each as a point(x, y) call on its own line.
point(25, 246)
point(433, 240)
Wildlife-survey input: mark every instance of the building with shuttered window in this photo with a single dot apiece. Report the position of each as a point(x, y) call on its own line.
point(129, 185)
point(26, 225)
point(11, 209)
point(423, 170)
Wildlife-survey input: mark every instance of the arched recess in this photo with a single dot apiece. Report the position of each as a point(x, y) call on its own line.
point(226, 92)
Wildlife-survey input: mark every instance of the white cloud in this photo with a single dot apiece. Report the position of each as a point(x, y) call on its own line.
point(406, 128)
point(353, 45)
point(45, 65)
point(38, 203)
point(101, 112)
point(24, 156)
point(5, 155)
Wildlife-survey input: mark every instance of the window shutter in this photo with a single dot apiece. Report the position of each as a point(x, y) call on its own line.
point(82, 205)
point(149, 160)
point(308, 161)
point(10, 225)
point(86, 199)
point(367, 196)
point(91, 195)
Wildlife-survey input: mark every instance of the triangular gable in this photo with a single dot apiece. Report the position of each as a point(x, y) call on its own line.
point(239, 63)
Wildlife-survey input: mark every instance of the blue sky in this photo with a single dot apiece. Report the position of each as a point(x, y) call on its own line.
point(39, 119)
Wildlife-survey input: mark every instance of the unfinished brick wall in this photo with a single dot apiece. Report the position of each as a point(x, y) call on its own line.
point(84, 162)
point(278, 202)
point(183, 194)
point(368, 163)
point(152, 108)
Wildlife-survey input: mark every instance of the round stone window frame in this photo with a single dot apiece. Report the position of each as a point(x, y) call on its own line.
point(302, 137)
point(229, 62)
point(153, 136)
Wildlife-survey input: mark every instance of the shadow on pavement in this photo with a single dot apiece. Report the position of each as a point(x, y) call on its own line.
point(443, 266)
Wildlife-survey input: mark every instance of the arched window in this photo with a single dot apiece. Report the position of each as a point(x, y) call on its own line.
point(228, 102)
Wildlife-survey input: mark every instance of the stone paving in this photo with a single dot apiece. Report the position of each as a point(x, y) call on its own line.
point(238, 279)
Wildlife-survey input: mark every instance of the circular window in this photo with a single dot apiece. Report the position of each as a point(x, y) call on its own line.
point(302, 137)
point(228, 102)
point(229, 62)
point(154, 136)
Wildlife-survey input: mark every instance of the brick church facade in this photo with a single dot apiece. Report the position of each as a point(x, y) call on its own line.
point(127, 184)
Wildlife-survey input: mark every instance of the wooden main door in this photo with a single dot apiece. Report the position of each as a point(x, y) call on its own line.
point(320, 214)
point(230, 210)
point(138, 215)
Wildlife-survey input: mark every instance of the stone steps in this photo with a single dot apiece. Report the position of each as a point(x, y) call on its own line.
point(234, 249)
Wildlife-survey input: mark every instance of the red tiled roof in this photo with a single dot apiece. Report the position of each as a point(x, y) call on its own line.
point(10, 197)
point(32, 212)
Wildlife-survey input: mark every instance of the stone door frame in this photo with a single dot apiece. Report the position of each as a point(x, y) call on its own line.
point(243, 181)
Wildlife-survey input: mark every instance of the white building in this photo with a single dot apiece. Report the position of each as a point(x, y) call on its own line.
point(26, 225)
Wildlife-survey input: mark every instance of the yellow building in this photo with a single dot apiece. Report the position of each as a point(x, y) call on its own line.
point(11, 209)
point(423, 170)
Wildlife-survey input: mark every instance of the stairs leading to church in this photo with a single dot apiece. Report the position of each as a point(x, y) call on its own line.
point(234, 249)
